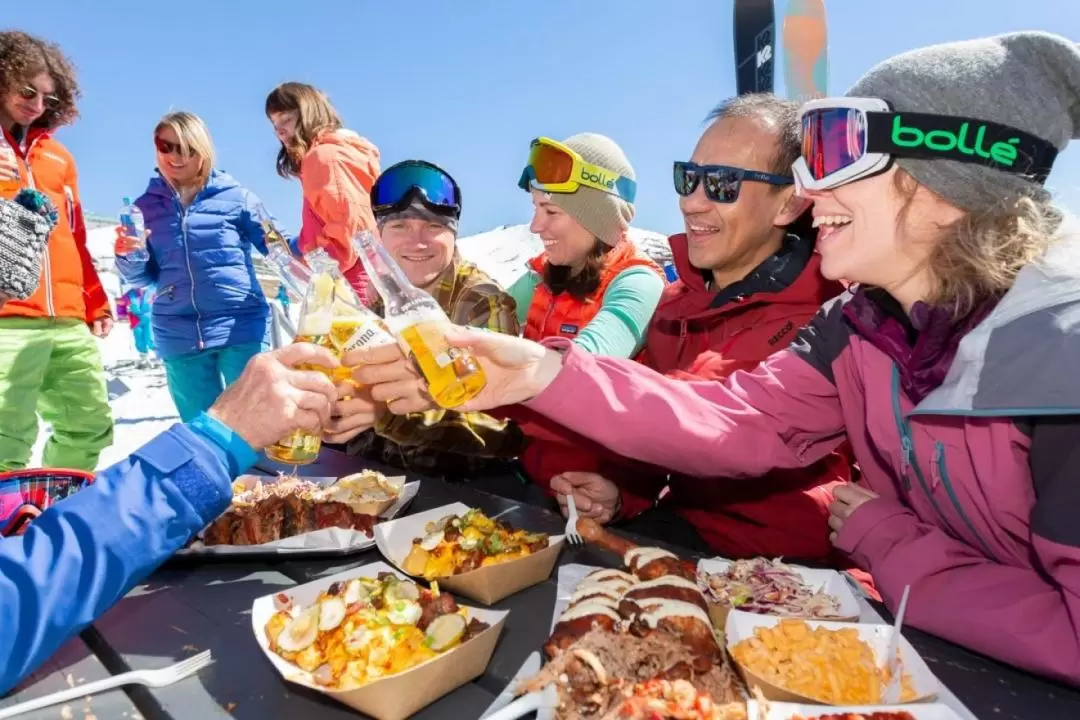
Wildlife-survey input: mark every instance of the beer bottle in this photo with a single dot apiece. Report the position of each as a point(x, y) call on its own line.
point(316, 321)
point(415, 318)
point(272, 237)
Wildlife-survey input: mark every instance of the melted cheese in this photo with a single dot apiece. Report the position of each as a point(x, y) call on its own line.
point(586, 609)
point(645, 555)
point(667, 581)
point(605, 593)
point(673, 608)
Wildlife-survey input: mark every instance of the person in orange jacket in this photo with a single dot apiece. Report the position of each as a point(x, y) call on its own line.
point(49, 360)
point(337, 169)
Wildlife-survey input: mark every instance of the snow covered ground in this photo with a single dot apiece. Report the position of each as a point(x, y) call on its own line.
point(140, 400)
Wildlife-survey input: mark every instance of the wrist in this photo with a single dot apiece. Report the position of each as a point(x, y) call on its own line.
point(547, 369)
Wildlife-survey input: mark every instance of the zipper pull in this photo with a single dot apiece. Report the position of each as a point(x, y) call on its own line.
point(906, 451)
point(935, 465)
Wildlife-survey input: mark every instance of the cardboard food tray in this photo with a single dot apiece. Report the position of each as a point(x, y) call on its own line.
point(486, 585)
point(393, 697)
point(330, 541)
point(740, 626)
point(832, 581)
point(787, 711)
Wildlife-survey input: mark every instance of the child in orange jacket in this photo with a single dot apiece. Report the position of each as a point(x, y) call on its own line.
point(337, 169)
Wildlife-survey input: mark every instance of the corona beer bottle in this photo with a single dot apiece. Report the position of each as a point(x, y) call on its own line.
point(415, 318)
point(316, 322)
point(272, 237)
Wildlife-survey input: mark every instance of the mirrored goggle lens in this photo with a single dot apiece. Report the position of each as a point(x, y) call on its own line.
point(686, 178)
point(550, 165)
point(832, 139)
point(395, 185)
point(39, 491)
point(721, 184)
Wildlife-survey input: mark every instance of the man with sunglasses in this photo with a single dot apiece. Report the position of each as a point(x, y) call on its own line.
point(748, 279)
point(417, 207)
point(108, 535)
point(49, 360)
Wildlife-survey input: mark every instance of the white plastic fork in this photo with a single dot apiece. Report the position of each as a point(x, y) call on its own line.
point(572, 535)
point(151, 678)
point(893, 666)
point(542, 702)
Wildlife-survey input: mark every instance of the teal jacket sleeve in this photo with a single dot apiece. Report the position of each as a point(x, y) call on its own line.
point(522, 291)
point(619, 328)
point(82, 555)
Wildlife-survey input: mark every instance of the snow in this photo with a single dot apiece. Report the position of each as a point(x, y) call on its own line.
point(140, 401)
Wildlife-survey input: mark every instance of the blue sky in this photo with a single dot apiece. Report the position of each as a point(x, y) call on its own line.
point(465, 84)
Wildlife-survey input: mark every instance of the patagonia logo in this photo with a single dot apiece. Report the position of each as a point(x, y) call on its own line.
point(568, 329)
point(779, 334)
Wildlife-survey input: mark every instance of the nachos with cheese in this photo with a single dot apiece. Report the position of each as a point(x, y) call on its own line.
point(458, 544)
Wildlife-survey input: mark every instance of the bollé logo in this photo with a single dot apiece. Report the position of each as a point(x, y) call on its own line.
point(598, 179)
point(1001, 152)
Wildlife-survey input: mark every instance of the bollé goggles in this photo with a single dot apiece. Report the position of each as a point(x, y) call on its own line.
point(554, 168)
point(848, 138)
point(411, 180)
point(25, 494)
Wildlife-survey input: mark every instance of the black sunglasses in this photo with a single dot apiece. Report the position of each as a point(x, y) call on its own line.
point(29, 92)
point(167, 148)
point(722, 183)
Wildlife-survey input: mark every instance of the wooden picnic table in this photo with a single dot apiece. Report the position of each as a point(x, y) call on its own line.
point(191, 605)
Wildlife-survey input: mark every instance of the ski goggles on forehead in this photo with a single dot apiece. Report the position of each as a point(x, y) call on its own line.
point(25, 494)
point(848, 139)
point(722, 183)
point(554, 168)
point(396, 189)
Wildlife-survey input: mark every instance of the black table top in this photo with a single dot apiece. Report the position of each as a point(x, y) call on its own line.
point(193, 605)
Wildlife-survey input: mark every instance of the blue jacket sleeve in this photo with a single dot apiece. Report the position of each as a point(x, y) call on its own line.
point(82, 555)
point(251, 227)
point(138, 273)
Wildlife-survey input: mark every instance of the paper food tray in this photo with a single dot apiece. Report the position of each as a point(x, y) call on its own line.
point(832, 581)
point(485, 585)
point(741, 625)
point(787, 711)
point(393, 697)
point(329, 540)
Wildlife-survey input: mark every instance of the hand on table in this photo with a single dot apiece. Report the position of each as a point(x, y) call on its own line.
point(846, 499)
point(595, 496)
point(272, 398)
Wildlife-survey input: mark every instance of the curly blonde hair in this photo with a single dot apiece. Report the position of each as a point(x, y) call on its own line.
point(23, 56)
point(977, 257)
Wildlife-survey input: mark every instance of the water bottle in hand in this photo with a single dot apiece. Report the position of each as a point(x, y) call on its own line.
point(131, 222)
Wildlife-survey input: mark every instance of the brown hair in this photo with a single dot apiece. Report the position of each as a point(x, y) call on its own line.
point(315, 115)
point(23, 56)
point(977, 257)
point(581, 285)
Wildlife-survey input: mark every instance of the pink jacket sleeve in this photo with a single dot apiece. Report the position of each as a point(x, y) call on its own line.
point(784, 414)
point(1025, 616)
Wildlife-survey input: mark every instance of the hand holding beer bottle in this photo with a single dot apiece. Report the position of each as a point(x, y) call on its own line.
point(415, 318)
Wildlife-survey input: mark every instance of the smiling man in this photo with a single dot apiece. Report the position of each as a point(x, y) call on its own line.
point(417, 206)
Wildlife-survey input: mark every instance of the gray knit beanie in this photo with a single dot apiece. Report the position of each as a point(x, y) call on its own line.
point(1026, 80)
point(604, 215)
point(25, 224)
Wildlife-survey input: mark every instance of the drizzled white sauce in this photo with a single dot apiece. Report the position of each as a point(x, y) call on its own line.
point(607, 576)
point(667, 581)
point(644, 556)
point(586, 609)
point(598, 593)
point(672, 608)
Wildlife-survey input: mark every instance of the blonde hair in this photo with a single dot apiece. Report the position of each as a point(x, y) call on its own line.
point(977, 257)
point(194, 138)
point(315, 115)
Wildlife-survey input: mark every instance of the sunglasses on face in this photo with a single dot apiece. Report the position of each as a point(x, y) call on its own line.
point(29, 92)
point(722, 183)
point(167, 148)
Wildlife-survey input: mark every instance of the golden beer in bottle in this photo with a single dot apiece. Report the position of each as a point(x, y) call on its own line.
point(316, 323)
point(415, 318)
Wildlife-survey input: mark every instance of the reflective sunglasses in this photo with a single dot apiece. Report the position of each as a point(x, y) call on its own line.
point(167, 148)
point(400, 184)
point(25, 494)
point(722, 183)
point(850, 138)
point(29, 92)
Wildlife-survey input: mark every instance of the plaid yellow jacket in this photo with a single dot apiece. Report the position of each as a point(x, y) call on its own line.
point(446, 440)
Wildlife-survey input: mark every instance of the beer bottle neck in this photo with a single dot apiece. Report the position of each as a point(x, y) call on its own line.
point(383, 272)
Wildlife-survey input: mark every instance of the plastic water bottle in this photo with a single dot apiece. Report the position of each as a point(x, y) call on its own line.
point(671, 272)
point(131, 220)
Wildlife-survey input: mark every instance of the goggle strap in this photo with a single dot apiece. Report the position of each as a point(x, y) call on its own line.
point(967, 140)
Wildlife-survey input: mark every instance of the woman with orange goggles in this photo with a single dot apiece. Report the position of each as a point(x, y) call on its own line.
point(591, 284)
